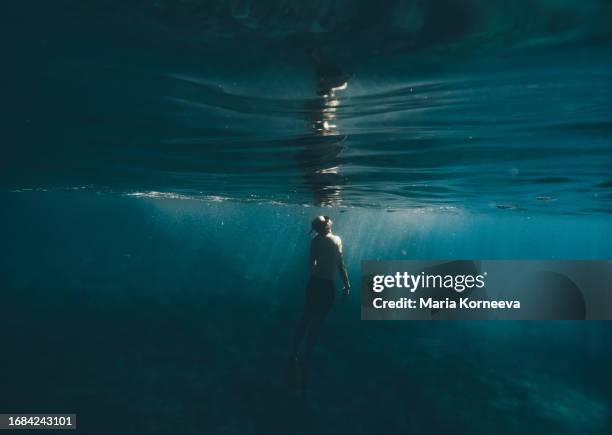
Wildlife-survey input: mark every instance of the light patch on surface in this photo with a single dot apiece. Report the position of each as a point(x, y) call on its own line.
point(160, 195)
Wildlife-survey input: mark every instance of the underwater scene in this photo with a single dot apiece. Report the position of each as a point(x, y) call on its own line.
point(167, 162)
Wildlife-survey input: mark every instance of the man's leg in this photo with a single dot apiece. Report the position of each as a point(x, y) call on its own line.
point(300, 332)
point(318, 316)
point(314, 330)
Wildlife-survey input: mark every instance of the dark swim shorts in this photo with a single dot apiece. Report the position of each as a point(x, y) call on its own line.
point(319, 296)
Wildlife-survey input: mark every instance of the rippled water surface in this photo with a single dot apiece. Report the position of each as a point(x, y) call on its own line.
point(469, 115)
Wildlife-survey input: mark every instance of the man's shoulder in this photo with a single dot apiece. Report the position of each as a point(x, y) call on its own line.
point(337, 240)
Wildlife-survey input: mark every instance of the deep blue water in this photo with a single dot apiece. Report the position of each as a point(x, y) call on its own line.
point(162, 161)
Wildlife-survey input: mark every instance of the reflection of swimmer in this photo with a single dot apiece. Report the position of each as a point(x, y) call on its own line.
point(330, 77)
point(319, 158)
point(325, 262)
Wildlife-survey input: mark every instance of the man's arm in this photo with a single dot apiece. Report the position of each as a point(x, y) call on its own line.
point(311, 260)
point(344, 275)
point(342, 269)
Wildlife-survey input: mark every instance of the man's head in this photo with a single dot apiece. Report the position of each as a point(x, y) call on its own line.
point(321, 225)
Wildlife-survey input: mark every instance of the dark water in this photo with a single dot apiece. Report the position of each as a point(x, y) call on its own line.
point(162, 161)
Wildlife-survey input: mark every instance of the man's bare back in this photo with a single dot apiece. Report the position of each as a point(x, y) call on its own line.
point(325, 256)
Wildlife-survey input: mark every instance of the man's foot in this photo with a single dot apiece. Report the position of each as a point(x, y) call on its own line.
point(295, 372)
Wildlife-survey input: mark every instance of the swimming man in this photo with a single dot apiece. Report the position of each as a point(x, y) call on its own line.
point(325, 262)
